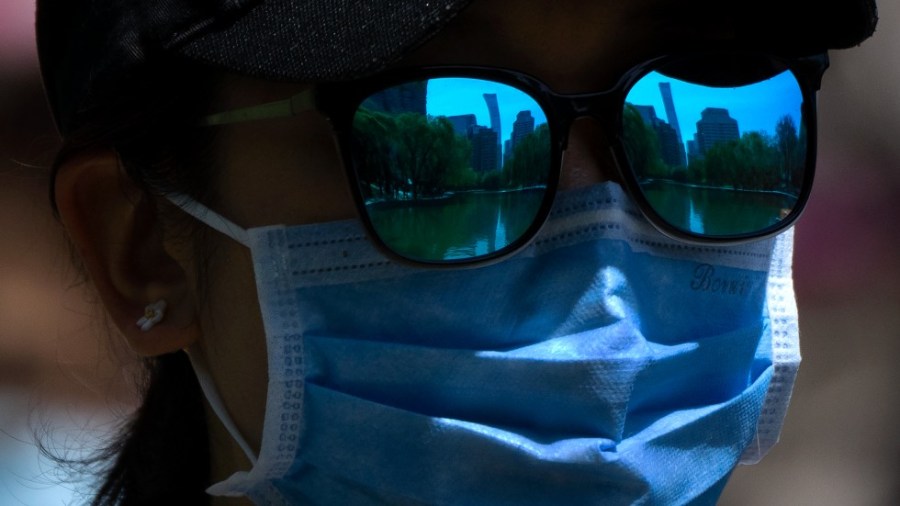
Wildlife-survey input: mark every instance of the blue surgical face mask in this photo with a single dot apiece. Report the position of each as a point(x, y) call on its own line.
point(604, 364)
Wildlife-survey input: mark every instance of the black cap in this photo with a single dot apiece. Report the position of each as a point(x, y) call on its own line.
point(87, 47)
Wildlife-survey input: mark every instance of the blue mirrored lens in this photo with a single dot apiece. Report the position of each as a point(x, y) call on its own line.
point(451, 168)
point(717, 160)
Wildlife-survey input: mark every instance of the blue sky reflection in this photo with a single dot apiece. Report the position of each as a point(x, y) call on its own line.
point(756, 107)
point(455, 96)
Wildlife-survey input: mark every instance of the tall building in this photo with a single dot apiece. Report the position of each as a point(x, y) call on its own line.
point(462, 123)
point(482, 139)
point(484, 148)
point(693, 150)
point(494, 111)
point(671, 150)
point(408, 97)
point(672, 117)
point(715, 125)
point(522, 127)
point(648, 114)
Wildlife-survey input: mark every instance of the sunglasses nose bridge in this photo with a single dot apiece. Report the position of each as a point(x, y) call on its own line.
point(599, 107)
point(589, 131)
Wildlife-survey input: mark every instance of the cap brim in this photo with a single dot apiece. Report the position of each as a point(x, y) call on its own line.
point(285, 39)
point(279, 40)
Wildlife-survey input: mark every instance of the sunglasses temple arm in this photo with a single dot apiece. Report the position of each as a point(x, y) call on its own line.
point(303, 101)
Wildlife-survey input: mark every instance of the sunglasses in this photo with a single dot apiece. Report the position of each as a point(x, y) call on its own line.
point(460, 165)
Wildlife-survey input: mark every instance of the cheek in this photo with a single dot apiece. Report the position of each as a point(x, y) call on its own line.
point(284, 172)
point(229, 302)
point(233, 334)
point(271, 172)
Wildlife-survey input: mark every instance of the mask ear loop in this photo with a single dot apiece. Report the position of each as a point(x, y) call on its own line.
point(195, 354)
point(210, 217)
point(198, 362)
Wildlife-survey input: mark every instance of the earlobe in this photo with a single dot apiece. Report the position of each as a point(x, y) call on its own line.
point(116, 229)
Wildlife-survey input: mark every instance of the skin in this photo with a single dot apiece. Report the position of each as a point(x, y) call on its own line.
point(288, 171)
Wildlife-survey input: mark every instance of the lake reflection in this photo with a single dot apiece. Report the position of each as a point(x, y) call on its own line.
point(458, 226)
point(717, 211)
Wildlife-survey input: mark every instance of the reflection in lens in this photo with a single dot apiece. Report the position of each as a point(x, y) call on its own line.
point(451, 168)
point(717, 161)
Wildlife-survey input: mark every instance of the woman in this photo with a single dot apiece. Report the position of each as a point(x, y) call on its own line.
point(461, 308)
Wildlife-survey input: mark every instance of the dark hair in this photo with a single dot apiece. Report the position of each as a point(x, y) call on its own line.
point(161, 453)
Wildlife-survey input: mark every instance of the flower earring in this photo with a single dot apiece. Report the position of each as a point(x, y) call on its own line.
point(153, 314)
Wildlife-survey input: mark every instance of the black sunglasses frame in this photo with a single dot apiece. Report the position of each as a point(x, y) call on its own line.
point(339, 102)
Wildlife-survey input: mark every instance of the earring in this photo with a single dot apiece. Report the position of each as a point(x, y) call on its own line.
point(153, 314)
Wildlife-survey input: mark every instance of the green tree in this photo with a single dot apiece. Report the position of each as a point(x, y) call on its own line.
point(750, 162)
point(788, 147)
point(642, 146)
point(721, 164)
point(528, 164)
point(696, 171)
point(409, 155)
point(374, 150)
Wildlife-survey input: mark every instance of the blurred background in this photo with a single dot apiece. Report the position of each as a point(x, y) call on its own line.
point(841, 442)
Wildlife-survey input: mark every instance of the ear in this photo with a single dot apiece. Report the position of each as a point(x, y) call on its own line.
point(115, 227)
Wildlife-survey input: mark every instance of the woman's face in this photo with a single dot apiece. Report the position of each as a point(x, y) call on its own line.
point(288, 171)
